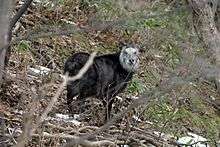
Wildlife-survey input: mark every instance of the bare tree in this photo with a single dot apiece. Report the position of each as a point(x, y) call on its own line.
point(5, 6)
point(12, 23)
point(6, 27)
point(217, 15)
point(206, 21)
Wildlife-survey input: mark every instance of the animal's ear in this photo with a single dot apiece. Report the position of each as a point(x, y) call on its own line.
point(121, 44)
point(142, 50)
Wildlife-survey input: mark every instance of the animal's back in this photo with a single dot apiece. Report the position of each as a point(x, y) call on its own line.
point(82, 87)
point(75, 63)
point(112, 77)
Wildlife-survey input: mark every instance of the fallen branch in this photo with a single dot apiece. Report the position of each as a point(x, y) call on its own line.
point(85, 128)
point(60, 127)
point(79, 141)
point(148, 139)
point(84, 143)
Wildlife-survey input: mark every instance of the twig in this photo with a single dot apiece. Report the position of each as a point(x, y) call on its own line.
point(144, 132)
point(31, 37)
point(88, 128)
point(12, 23)
point(63, 136)
point(59, 127)
point(84, 143)
point(149, 139)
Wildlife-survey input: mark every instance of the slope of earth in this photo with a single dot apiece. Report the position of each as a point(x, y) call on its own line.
point(51, 31)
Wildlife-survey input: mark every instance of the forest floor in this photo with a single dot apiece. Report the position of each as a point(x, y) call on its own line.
point(48, 34)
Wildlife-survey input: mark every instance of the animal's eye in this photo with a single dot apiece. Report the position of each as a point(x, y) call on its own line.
point(125, 53)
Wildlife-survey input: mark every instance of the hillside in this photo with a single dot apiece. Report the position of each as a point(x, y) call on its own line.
point(169, 97)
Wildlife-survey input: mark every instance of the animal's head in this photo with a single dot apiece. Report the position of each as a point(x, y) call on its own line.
point(129, 57)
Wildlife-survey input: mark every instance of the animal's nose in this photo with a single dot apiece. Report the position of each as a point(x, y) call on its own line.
point(131, 60)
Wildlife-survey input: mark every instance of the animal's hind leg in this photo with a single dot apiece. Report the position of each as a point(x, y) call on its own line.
point(71, 94)
point(76, 102)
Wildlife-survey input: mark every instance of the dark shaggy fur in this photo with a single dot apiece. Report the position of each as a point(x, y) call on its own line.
point(104, 79)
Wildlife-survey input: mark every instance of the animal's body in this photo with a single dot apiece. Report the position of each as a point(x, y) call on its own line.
point(107, 76)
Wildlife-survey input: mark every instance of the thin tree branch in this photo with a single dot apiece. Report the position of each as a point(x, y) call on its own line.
point(5, 8)
point(12, 23)
point(20, 12)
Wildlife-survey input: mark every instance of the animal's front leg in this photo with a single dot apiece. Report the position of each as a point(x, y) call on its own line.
point(76, 104)
point(72, 94)
point(70, 98)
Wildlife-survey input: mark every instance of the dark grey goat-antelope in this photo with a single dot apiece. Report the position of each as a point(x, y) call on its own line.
point(106, 77)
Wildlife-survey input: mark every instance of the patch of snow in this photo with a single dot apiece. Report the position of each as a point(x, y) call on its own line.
point(37, 1)
point(213, 98)
point(193, 140)
point(125, 145)
point(193, 84)
point(149, 122)
point(158, 56)
point(68, 22)
point(159, 134)
point(38, 71)
point(43, 68)
point(62, 116)
point(21, 2)
point(76, 116)
point(16, 111)
point(136, 118)
point(65, 118)
point(119, 98)
point(75, 97)
point(14, 131)
point(134, 97)
point(164, 136)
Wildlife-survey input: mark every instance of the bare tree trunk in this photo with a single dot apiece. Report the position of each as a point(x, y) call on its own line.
point(217, 16)
point(6, 28)
point(204, 21)
point(5, 7)
point(13, 21)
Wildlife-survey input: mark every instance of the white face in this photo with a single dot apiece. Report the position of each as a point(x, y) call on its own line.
point(129, 58)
